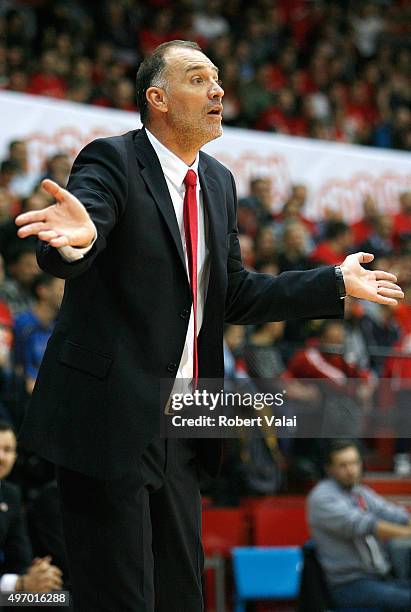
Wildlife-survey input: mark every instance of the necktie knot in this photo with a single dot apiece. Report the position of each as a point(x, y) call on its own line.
point(190, 179)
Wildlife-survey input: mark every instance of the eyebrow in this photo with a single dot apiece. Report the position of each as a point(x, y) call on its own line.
point(202, 67)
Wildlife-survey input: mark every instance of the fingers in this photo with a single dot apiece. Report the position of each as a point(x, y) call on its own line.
point(364, 257)
point(34, 216)
point(32, 229)
point(385, 300)
point(54, 189)
point(391, 293)
point(389, 285)
point(381, 275)
point(58, 242)
point(47, 235)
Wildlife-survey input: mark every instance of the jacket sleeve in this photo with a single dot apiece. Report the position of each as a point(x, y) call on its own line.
point(99, 180)
point(257, 298)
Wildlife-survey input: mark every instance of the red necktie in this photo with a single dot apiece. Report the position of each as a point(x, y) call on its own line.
point(191, 234)
point(361, 501)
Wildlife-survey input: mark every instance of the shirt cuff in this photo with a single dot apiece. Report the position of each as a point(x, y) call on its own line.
point(70, 253)
point(8, 582)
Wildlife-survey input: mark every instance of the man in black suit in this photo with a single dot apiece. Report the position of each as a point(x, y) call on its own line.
point(18, 570)
point(149, 284)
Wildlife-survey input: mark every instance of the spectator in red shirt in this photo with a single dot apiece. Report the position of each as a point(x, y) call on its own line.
point(335, 248)
point(362, 229)
point(326, 360)
point(47, 82)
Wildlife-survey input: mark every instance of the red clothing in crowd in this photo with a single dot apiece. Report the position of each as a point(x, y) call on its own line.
point(402, 315)
point(325, 254)
point(274, 120)
point(311, 362)
point(398, 369)
point(47, 85)
point(361, 231)
point(402, 225)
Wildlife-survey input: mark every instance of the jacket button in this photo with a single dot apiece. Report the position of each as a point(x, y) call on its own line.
point(172, 367)
point(184, 314)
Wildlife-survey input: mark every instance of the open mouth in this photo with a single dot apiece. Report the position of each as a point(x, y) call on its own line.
point(215, 111)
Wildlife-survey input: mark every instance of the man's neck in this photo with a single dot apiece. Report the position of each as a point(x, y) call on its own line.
point(173, 144)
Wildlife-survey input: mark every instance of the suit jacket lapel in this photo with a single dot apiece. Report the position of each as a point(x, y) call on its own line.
point(213, 199)
point(155, 181)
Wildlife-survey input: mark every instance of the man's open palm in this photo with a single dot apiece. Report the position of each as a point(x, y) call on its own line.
point(373, 285)
point(65, 223)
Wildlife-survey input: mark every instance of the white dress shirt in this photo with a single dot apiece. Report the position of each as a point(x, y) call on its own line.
point(175, 170)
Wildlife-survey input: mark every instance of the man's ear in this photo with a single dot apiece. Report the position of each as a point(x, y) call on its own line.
point(157, 99)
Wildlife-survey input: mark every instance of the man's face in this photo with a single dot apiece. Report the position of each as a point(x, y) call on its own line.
point(7, 453)
point(346, 467)
point(194, 108)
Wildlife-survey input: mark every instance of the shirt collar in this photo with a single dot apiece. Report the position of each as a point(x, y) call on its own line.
point(173, 167)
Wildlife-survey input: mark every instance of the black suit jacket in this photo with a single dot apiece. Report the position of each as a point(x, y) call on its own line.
point(126, 306)
point(16, 553)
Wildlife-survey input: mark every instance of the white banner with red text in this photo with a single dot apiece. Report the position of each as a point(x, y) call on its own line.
point(337, 175)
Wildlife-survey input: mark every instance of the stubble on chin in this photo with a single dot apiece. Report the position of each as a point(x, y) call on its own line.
point(194, 134)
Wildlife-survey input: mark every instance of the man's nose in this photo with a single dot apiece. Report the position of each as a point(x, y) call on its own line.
point(215, 91)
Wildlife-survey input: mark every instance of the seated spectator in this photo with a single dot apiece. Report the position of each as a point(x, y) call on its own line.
point(19, 572)
point(265, 363)
point(22, 269)
point(362, 229)
point(398, 370)
point(9, 241)
point(290, 212)
point(380, 331)
point(380, 240)
point(349, 523)
point(327, 359)
point(47, 80)
point(6, 372)
point(344, 387)
point(58, 169)
point(265, 247)
point(46, 529)
point(6, 205)
point(234, 366)
point(335, 248)
point(247, 251)
point(295, 248)
point(210, 22)
point(262, 356)
point(24, 181)
point(260, 199)
point(402, 220)
point(355, 347)
point(402, 312)
point(33, 327)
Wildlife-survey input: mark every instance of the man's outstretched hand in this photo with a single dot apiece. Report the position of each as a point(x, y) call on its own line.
point(373, 285)
point(65, 223)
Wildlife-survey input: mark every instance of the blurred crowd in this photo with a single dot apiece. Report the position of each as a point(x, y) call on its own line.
point(327, 69)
